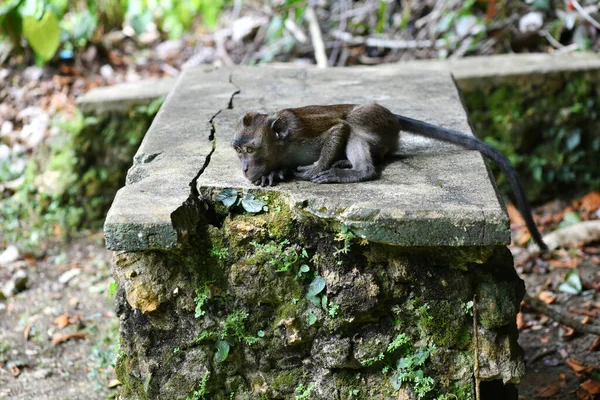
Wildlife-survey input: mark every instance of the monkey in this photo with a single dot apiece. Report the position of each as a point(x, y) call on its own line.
point(344, 143)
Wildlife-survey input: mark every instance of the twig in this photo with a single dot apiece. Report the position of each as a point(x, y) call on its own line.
point(316, 37)
point(585, 14)
point(387, 43)
point(476, 349)
point(295, 30)
point(542, 308)
point(551, 40)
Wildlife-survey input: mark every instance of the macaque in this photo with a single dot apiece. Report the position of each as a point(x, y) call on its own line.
point(344, 143)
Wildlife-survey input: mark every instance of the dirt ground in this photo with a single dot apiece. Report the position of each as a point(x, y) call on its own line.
point(77, 368)
point(32, 367)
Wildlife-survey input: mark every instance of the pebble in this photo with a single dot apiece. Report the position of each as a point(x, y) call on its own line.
point(42, 373)
point(68, 275)
point(10, 255)
point(16, 284)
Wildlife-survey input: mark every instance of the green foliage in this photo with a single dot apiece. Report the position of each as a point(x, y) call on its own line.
point(346, 236)
point(409, 370)
point(202, 295)
point(232, 199)
point(202, 391)
point(222, 350)
point(219, 253)
point(112, 288)
point(281, 256)
point(315, 287)
point(45, 24)
point(303, 392)
point(234, 327)
point(469, 308)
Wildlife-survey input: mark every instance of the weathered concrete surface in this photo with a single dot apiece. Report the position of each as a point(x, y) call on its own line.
point(435, 194)
point(122, 97)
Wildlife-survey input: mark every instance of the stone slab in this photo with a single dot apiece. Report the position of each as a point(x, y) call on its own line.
point(432, 194)
point(120, 98)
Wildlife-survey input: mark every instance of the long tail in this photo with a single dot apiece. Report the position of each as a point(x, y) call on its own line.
point(473, 143)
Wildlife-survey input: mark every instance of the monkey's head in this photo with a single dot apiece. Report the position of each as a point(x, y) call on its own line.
point(257, 141)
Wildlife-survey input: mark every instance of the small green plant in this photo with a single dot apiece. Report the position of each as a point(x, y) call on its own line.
point(231, 199)
point(233, 328)
point(176, 350)
point(316, 287)
point(346, 236)
point(333, 309)
point(408, 369)
point(202, 295)
point(218, 252)
point(112, 288)
point(202, 391)
point(282, 256)
point(353, 393)
point(303, 392)
point(468, 307)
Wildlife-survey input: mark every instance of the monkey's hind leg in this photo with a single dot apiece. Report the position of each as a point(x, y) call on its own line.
point(332, 151)
point(360, 161)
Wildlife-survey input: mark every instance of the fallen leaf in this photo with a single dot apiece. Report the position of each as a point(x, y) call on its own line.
point(570, 332)
point(113, 383)
point(562, 377)
point(548, 391)
point(544, 339)
point(585, 320)
point(590, 202)
point(61, 321)
point(524, 238)
point(547, 297)
point(63, 337)
point(591, 386)
point(596, 345)
point(26, 332)
point(577, 366)
point(521, 324)
point(516, 220)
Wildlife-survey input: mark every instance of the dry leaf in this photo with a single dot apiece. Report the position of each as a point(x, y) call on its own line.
point(590, 202)
point(570, 332)
point(63, 337)
point(516, 220)
point(547, 297)
point(548, 391)
point(577, 366)
point(26, 332)
point(585, 320)
point(544, 339)
point(562, 377)
point(113, 383)
point(15, 371)
point(596, 345)
point(62, 321)
point(591, 386)
point(521, 324)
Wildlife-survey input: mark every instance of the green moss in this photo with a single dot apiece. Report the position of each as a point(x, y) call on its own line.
point(286, 382)
point(547, 127)
point(443, 321)
point(130, 385)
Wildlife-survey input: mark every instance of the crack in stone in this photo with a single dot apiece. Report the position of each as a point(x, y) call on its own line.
point(211, 137)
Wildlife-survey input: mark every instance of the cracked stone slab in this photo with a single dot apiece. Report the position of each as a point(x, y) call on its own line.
point(429, 194)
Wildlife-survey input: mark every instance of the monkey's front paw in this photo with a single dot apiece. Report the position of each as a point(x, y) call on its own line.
point(271, 178)
point(328, 176)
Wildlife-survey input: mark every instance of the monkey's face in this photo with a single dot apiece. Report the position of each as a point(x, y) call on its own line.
point(253, 143)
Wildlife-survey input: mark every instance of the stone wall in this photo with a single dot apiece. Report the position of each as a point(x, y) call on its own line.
point(281, 305)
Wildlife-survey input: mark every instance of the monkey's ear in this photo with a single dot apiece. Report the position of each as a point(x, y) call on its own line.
point(247, 121)
point(278, 126)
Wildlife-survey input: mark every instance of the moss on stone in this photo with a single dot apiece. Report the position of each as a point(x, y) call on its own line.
point(286, 382)
point(442, 320)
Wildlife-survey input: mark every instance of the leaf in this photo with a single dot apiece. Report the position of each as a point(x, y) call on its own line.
point(260, 334)
point(548, 391)
point(314, 299)
point(222, 351)
point(63, 337)
point(43, 35)
point(570, 218)
point(324, 302)
point(573, 140)
point(227, 197)
point(84, 25)
point(139, 22)
point(591, 386)
point(312, 318)
point(252, 204)
point(61, 321)
point(112, 288)
point(303, 269)
point(572, 283)
point(316, 286)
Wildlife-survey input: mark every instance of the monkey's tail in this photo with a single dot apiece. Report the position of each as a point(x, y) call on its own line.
point(473, 143)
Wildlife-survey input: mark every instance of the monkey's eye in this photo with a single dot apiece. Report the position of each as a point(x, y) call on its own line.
point(238, 149)
point(249, 150)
